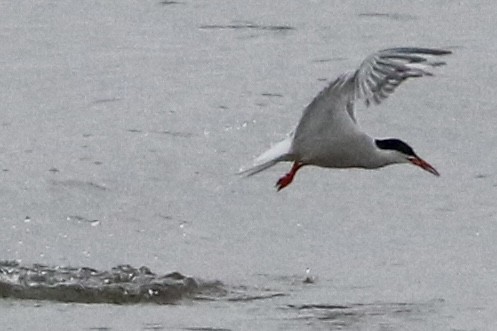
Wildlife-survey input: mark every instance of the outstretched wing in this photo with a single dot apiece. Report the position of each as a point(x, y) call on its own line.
point(381, 73)
point(376, 78)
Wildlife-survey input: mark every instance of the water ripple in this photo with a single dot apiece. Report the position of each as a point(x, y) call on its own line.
point(123, 284)
point(246, 26)
point(389, 16)
point(391, 315)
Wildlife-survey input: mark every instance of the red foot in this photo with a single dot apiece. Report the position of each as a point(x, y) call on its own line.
point(288, 178)
point(284, 181)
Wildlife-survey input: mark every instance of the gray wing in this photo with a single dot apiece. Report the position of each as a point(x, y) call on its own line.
point(376, 78)
point(381, 73)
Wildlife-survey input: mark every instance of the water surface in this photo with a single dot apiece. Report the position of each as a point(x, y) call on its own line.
point(123, 125)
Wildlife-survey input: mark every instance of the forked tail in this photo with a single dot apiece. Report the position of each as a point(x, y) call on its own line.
point(279, 152)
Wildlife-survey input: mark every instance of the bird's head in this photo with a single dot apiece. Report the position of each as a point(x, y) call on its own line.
point(398, 151)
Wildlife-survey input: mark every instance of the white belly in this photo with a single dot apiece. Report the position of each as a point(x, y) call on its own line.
point(336, 152)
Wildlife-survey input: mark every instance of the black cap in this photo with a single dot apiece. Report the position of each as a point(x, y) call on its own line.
point(395, 144)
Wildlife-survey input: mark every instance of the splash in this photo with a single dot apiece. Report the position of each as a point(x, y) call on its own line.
point(123, 284)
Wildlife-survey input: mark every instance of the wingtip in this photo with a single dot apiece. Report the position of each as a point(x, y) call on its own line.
point(421, 50)
point(441, 52)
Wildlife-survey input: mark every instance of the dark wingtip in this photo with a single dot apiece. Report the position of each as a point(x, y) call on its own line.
point(438, 51)
point(421, 50)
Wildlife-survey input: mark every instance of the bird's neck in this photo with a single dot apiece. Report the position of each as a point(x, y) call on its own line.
point(369, 155)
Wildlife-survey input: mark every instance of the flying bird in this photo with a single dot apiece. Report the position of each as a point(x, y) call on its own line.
point(328, 134)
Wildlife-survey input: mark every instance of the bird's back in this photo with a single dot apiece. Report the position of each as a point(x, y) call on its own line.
point(327, 133)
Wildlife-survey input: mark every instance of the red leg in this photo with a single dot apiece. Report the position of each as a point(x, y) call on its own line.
point(288, 178)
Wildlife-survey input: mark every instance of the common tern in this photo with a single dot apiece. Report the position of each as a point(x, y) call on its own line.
point(328, 135)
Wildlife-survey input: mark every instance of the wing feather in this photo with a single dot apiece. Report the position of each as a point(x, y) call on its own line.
point(377, 77)
point(380, 73)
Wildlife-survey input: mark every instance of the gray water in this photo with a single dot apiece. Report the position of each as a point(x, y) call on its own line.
point(123, 124)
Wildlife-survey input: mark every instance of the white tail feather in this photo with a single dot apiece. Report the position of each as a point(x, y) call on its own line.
point(277, 153)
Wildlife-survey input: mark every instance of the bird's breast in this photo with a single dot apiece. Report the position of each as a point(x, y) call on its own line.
point(344, 151)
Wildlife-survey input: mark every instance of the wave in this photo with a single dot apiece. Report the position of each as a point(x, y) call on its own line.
point(123, 284)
